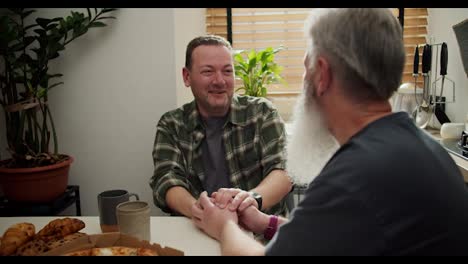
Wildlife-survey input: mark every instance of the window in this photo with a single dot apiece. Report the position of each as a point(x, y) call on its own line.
point(261, 27)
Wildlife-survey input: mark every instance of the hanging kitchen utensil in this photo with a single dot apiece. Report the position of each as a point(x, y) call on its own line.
point(415, 75)
point(425, 110)
point(438, 111)
point(443, 66)
point(416, 72)
point(443, 81)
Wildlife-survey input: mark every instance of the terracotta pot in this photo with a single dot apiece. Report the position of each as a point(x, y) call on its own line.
point(35, 185)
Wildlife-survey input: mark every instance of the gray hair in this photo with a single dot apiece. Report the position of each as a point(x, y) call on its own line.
point(364, 46)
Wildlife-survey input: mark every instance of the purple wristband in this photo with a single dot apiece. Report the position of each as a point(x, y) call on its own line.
point(272, 227)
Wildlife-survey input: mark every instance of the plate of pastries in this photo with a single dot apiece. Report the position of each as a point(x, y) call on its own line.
point(21, 239)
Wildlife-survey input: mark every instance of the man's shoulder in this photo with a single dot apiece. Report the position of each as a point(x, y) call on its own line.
point(387, 150)
point(177, 116)
point(172, 116)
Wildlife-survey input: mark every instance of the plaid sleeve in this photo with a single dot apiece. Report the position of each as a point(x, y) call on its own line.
point(273, 142)
point(168, 165)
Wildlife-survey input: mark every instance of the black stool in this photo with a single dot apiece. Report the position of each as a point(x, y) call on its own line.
point(52, 208)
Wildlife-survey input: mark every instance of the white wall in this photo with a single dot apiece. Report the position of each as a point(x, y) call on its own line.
point(188, 24)
point(440, 24)
point(119, 80)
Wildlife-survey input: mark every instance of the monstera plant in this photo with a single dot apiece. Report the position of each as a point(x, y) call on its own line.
point(257, 70)
point(27, 46)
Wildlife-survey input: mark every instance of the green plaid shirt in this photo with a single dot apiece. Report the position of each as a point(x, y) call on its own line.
point(254, 139)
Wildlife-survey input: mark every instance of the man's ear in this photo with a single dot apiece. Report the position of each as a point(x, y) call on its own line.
point(324, 76)
point(186, 75)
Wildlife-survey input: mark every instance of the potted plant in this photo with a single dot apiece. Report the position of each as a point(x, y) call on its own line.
point(257, 70)
point(35, 173)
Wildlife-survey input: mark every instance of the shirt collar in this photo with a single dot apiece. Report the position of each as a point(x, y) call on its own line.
point(236, 114)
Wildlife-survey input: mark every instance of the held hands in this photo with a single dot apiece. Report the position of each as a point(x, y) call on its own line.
point(211, 218)
point(242, 202)
point(210, 214)
point(253, 219)
point(234, 199)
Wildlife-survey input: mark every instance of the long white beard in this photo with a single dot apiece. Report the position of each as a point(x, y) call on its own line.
point(311, 145)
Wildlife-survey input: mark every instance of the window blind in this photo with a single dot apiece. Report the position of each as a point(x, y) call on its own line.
point(258, 28)
point(216, 22)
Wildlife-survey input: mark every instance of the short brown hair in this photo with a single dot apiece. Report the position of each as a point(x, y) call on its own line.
point(211, 40)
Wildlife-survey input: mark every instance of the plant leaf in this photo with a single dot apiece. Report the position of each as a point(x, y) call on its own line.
point(55, 84)
point(97, 24)
point(106, 17)
point(252, 55)
point(30, 26)
point(41, 91)
point(43, 22)
point(54, 75)
point(51, 26)
point(238, 58)
point(257, 70)
point(27, 13)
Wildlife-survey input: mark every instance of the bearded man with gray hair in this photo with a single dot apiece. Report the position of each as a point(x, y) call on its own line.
point(389, 189)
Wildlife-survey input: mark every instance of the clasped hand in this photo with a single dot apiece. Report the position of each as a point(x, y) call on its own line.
point(211, 214)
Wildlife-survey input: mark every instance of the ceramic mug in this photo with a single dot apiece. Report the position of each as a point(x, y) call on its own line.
point(452, 130)
point(107, 203)
point(133, 218)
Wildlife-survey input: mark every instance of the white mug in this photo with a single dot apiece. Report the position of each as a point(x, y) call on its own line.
point(452, 130)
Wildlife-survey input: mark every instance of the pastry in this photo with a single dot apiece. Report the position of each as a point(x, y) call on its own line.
point(15, 236)
point(59, 228)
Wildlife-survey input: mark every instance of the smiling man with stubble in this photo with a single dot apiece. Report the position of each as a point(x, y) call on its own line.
point(231, 146)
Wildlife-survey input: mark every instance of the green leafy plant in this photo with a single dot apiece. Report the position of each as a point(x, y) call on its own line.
point(25, 79)
point(257, 70)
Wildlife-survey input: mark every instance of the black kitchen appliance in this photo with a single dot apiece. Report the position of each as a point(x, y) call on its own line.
point(458, 147)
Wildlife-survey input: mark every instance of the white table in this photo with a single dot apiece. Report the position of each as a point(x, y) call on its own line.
point(175, 232)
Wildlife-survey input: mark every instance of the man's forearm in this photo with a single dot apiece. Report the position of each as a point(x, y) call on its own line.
point(274, 187)
point(180, 200)
point(235, 242)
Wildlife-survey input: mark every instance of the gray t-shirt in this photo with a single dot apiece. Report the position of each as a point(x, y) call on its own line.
point(214, 156)
point(390, 190)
